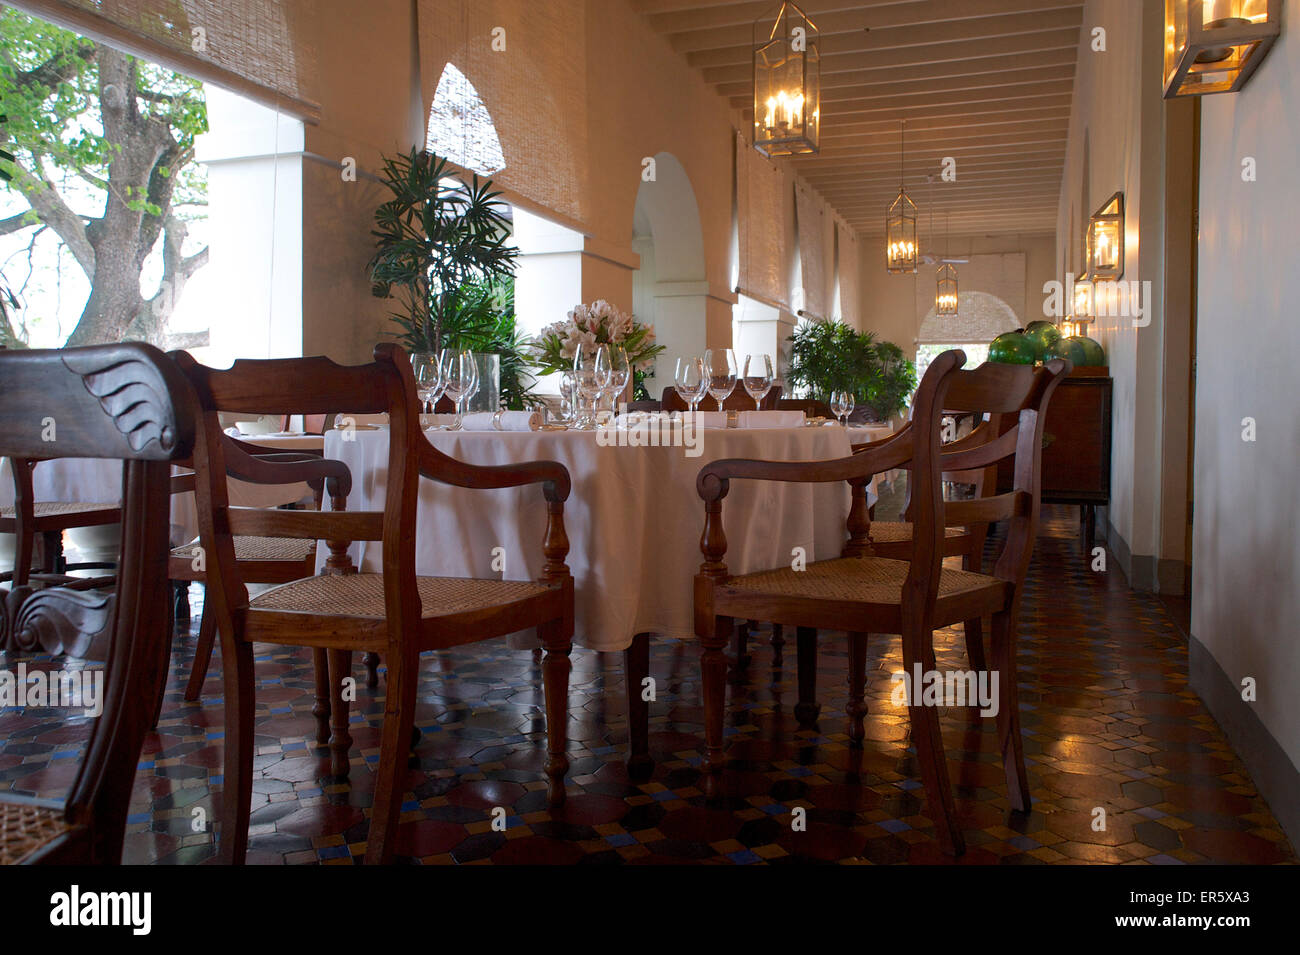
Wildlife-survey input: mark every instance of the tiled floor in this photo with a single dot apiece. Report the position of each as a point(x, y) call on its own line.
point(1110, 724)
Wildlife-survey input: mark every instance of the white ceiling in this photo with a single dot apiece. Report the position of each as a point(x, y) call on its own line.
point(987, 82)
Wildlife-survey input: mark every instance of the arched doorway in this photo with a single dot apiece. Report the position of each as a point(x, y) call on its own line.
point(669, 290)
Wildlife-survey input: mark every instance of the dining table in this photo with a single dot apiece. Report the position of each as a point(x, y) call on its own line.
point(93, 480)
point(633, 517)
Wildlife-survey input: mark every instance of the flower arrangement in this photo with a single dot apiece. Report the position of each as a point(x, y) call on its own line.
point(599, 323)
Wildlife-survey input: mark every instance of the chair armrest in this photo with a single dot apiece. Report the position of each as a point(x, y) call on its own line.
point(553, 476)
point(275, 466)
point(857, 468)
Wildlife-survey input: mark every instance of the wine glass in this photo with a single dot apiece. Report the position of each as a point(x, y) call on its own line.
point(568, 398)
point(461, 372)
point(591, 374)
point(429, 380)
point(758, 377)
point(842, 405)
point(721, 365)
point(691, 381)
point(620, 370)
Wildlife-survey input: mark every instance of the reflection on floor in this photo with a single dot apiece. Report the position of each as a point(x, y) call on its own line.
point(1109, 720)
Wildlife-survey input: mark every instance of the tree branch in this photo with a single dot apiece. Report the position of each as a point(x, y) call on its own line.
point(45, 200)
point(17, 223)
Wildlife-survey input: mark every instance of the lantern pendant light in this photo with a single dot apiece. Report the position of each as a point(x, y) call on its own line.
point(900, 224)
point(787, 84)
point(945, 298)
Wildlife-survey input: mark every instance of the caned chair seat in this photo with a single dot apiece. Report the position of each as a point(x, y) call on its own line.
point(62, 509)
point(25, 828)
point(362, 595)
point(835, 589)
point(887, 532)
point(260, 548)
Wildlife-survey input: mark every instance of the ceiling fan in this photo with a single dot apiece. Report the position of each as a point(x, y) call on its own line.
point(935, 258)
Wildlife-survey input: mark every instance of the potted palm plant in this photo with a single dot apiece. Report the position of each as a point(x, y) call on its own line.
point(443, 251)
point(826, 357)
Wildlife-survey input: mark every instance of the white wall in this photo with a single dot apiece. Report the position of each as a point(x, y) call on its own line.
point(1246, 533)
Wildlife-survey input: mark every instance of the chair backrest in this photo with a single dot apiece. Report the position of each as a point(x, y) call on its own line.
point(809, 406)
point(1022, 393)
point(125, 402)
point(308, 386)
point(738, 400)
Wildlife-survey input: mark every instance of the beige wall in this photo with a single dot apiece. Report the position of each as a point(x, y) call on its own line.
point(1246, 532)
point(889, 302)
point(1116, 143)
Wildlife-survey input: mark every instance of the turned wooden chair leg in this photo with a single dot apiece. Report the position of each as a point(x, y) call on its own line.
point(202, 655)
point(394, 752)
point(320, 709)
point(926, 736)
point(636, 666)
point(1010, 742)
point(713, 668)
point(372, 669)
point(807, 709)
point(778, 644)
point(856, 708)
point(237, 785)
point(340, 740)
point(740, 644)
point(555, 680)
point(181, 602)
point(974, 630)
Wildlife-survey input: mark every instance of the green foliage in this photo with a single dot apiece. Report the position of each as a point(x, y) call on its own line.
point(440, 243)
point(49, 84)
point(832, 356)
point(486, 323)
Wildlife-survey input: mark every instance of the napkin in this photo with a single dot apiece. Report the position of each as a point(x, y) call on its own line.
point(502, 421)
point(707, 419)
point(772, 419)
point(372, 419)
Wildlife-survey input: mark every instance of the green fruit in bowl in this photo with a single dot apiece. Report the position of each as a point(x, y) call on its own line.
point(1071, 348)
point(1094, 354)
point(1013, 348)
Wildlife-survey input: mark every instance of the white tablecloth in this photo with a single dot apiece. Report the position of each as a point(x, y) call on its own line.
point(95, 481)
point(633, 518)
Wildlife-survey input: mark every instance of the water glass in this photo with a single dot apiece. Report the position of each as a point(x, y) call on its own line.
point(721, 366)
point(461, 372)
point(758, 377)
point(842, 405)
point(691, 381)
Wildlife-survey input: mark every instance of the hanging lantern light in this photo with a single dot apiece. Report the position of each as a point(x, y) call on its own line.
point(945, 298)
point(900, 225)
point(787, 84)
point(1213, 46)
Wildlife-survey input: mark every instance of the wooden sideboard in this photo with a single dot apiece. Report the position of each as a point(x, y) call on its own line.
point(1076, 446)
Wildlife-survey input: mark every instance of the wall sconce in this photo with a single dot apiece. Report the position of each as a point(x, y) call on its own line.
point(787, 84)
point(1213, 46)
point(1106, 240)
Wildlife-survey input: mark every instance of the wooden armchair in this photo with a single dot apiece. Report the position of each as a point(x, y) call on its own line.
point(267, 560)
point(809, 406)
point(863, 593)
point(394, 612)
point(738, 400)
point(124, 402)
point(28, 519)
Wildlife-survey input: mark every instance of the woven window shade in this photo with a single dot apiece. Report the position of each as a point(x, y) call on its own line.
point(848, 272)
point(764, 255)
point(811, 213)
point(256, 48)
point(534, 92)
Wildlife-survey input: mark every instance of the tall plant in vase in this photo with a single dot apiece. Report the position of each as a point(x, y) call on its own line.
point(443, 250)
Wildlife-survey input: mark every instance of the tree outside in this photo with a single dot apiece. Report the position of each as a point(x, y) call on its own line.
point(102, 147)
